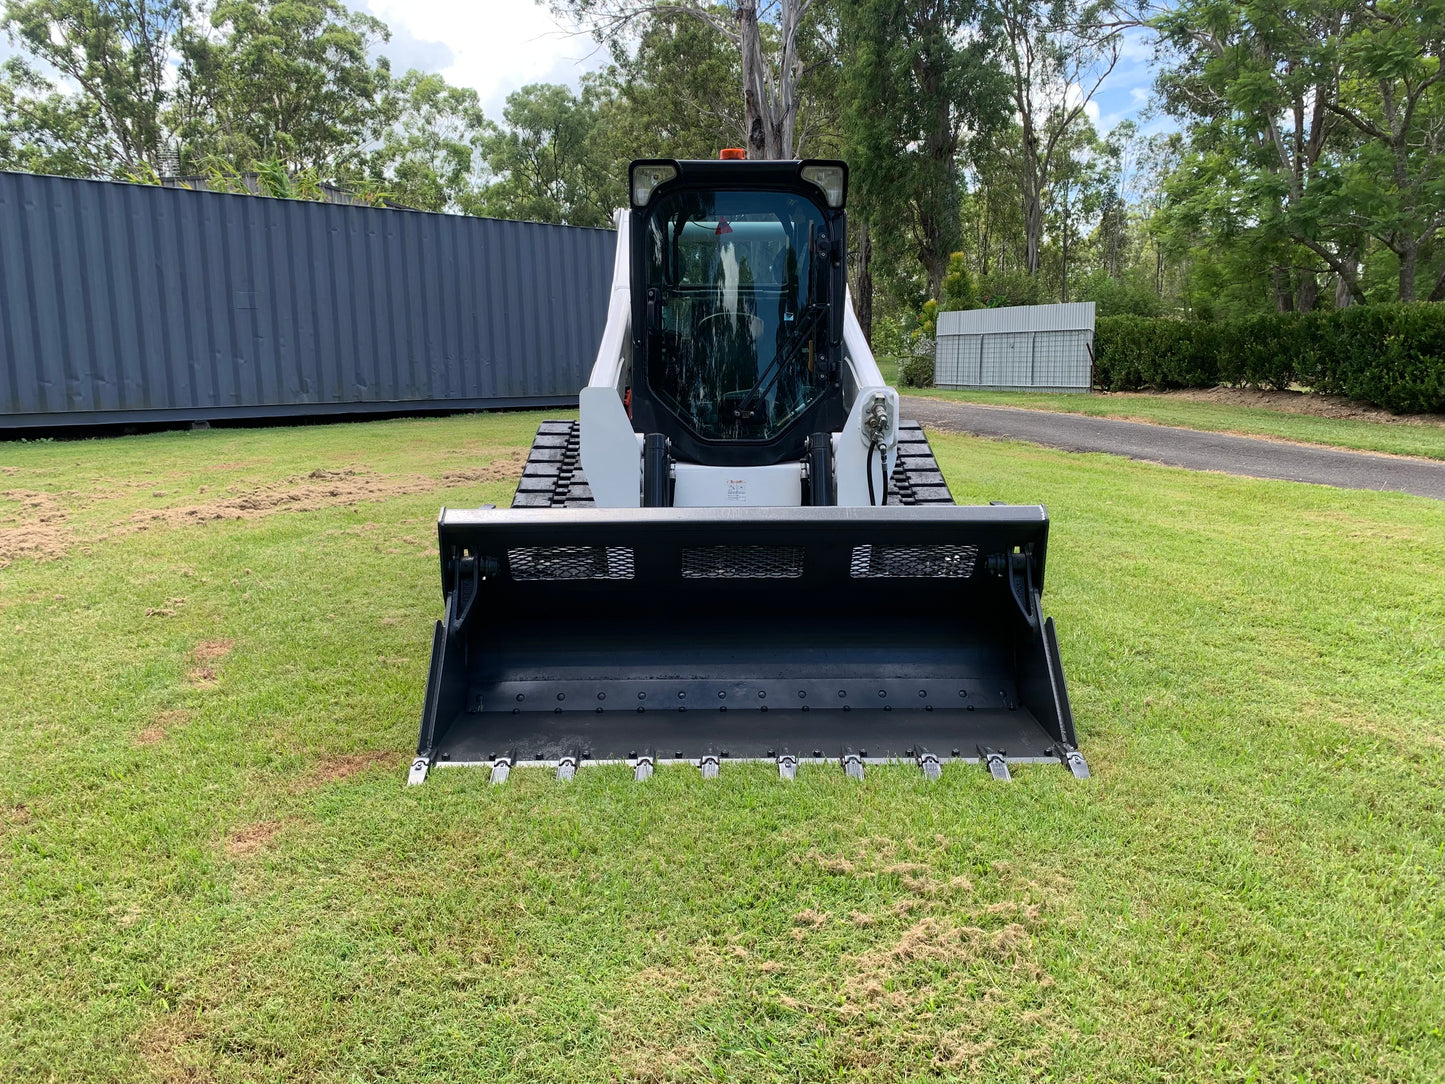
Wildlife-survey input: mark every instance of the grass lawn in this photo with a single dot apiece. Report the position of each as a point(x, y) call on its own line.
point(214, 646)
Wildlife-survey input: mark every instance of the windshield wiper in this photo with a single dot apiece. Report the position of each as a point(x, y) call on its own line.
point(803, 333)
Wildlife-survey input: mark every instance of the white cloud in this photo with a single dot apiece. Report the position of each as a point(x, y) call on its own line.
point(492, 46)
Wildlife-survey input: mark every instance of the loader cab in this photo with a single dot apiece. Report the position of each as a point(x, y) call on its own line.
point(738, 297)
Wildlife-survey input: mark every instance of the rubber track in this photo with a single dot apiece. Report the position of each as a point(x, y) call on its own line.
point(553, 478)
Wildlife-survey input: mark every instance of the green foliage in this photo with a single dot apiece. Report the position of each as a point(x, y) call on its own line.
point(118, 54)
point(295, 83)
point(904, 142)
point(1393, 355)
point(430, 156)
point(927, 325)
point(1128, 295)
point(916, 370)
point(553, 161)
point(1004, 288)
point(1390, 355)
point(958, 286)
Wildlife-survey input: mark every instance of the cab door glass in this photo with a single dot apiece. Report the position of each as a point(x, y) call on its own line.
point(737, 315)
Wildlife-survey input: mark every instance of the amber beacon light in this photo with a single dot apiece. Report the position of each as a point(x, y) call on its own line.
point(732, 154)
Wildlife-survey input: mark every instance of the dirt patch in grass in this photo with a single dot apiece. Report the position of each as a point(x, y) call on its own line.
point(37, 529)
point(163, 723)
point(322, 488)
point(209, 650)
point(14, 816)
point(654, 1049)
point(336, 768)
point(1289, 402)
point(203, 675)
point(162, 1046)
point(250, 838)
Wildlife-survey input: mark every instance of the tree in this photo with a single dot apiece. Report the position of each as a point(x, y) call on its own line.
point(431, 154)
point(150, 87)
point(291, 81)
point(1055, 56)
point(551, 160)
point(1390, 74)
point(771, 40)
point(117, 56)
point(1328, 116)
point(676, 95)
point(1249, 76)
point(904, 142)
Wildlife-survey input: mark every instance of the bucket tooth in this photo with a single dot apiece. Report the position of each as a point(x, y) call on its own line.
point(642, 766)
point(417, 775)
point(502, 767)
point(852, 764)
point(710, 765)
point(787, 766)
point(567, 767)
point(993, 760)
point(929, 764)
point(1071, 759)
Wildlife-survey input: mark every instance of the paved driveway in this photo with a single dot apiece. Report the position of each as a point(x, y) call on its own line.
point(1188, 448)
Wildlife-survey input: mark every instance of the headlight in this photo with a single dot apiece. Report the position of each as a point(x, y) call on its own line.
point(646, 176)
point(831, 178)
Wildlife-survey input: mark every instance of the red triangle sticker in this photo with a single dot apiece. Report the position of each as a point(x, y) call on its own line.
point(722, 226)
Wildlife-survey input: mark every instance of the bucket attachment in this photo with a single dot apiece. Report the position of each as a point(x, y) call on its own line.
point(846, 636)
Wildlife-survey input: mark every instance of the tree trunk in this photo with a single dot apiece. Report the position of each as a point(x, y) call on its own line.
point(770, 102)
point(1307, 296)
point(1064, 253)
point(863, 280)
point(935, 265)
point(1283, 294)
point(1033, 232)
point(1409, 259)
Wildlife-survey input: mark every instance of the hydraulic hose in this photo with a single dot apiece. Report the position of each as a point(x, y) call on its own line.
point(882, 473)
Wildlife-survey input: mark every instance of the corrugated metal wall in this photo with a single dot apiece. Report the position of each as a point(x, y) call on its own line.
point(1023, 348)
point(124, 302)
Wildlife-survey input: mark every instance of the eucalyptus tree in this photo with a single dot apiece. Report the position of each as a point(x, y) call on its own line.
point(1055, 56)
point(772, 39)
point(919, 89)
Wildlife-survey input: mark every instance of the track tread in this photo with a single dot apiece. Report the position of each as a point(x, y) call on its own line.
point(553, 477)
point(916, 477)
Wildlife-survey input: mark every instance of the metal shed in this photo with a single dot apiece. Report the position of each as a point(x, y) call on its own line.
point(1025, 348)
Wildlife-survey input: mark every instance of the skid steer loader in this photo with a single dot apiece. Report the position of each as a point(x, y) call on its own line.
point(739, 552)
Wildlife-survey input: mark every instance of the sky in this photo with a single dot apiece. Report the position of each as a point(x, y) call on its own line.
point(492, 46)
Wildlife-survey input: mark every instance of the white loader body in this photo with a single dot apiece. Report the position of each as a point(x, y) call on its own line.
point(612, 450)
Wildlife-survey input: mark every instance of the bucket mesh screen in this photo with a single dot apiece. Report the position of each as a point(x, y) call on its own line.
point(897, 562)
point(570, 562)
point(742, 562)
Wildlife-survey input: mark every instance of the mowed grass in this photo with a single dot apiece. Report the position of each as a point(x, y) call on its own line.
point(1426, 440)
point(210, 868)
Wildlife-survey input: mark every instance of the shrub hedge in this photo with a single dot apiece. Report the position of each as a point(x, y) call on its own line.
point(1390, 355)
